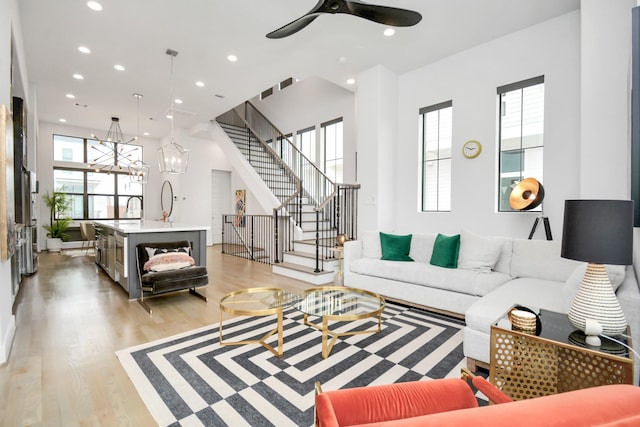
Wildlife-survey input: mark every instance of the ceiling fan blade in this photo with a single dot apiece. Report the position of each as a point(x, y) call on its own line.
point(393, 16)
point(293, 27)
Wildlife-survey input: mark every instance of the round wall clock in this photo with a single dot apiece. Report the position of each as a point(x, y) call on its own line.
point(471, 149)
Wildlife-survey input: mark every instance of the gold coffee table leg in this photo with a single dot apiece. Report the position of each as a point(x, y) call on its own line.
point(262, 341)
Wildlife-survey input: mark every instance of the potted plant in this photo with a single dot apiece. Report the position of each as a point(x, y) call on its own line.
point(58, 203)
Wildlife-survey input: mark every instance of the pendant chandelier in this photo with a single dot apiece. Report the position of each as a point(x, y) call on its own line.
point(138, 170)
point(172, 158)
point(112, 151)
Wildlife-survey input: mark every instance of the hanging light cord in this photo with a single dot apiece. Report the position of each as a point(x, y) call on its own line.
point(172, 97)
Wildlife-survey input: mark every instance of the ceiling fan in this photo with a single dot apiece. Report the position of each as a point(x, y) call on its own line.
point(393, 16)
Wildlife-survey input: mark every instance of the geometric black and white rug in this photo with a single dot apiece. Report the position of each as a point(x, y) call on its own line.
point(190, 380)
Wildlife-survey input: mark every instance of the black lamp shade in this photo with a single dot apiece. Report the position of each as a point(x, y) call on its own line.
point(598, 231)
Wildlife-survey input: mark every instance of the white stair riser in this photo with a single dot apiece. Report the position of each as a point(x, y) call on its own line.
point(302, 276)
point(311, 234)
point(309, 262)
point(311, 226)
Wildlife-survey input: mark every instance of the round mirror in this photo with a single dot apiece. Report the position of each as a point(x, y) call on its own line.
point(166, 198)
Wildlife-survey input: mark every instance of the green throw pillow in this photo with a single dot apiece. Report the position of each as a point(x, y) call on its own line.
point(445, 251)
point(395, 248)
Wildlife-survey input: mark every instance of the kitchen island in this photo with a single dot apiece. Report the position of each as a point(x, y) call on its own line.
point(116, 242)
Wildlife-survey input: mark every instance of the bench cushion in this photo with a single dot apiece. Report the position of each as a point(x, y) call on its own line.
point(169, 281)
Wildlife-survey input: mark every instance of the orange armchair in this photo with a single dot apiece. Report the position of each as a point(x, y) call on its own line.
point(451, 402)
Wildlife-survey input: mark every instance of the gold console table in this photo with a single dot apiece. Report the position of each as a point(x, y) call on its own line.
point(526, 365)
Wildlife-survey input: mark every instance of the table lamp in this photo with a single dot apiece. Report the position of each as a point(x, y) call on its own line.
point(597, 232)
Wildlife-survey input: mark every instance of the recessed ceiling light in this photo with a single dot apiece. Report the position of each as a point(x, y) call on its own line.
point(62, 120)
point(84, 49)
point(118, 67)
point(199, 83)
point(78, 76)
point(70, 96)
point(94, 5)
point(232, 58)
point(177, 101)
point(146, 133)
point(389, 32)
point(351, 81)
point(169, 116)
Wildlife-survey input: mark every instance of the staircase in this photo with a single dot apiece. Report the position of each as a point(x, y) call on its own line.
point(306, 223)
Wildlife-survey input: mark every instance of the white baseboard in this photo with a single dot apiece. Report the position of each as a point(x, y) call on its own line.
point(7, 341)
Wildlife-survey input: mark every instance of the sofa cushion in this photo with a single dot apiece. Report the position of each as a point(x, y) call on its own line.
point(529, 292)
point(571, 286)
point(478, 252)
point(540, 259)
point(445, 251)
point(503, 265)
point(371, 244)
point(456, 280)
point(422, 247)
point(395, 247)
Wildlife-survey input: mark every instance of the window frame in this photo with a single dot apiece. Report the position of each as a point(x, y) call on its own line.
point(538, 150)
point(337, 160)
point(84, 168)
point(439, 158)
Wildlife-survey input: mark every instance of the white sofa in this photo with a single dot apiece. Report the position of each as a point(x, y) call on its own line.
point(526, 272)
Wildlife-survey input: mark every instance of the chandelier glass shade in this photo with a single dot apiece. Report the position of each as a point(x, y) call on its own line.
point(172, 158)
point(139, 172)
point(113, 152)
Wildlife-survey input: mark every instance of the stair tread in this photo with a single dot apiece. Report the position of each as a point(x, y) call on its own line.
point(310, 255)
point(302, 268)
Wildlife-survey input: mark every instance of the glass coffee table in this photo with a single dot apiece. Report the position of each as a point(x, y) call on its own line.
point(339, 303)
point(258, 302)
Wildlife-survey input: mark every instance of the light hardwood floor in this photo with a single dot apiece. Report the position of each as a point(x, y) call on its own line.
point(71, 318)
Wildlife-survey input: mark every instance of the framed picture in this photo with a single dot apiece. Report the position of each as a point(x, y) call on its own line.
point(241, 196)
point(7, 204)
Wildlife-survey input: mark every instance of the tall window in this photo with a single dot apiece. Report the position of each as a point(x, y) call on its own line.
point(333, 157)
point(435, 133)
point(94, 194)
point(306, 142)
point(521, 127)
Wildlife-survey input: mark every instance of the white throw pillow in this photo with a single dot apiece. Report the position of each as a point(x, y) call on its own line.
point(478, 253)
point(168, 261)
point(572, 285)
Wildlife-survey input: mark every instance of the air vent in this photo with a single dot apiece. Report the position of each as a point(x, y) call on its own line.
point(286, 83)
point(181, 113)
point(266, 93)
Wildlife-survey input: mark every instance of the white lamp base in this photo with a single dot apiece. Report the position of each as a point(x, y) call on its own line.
point(596, 307)
point(592, 330)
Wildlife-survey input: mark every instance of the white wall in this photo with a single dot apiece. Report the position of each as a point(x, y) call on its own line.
point(193, 189)
point(377, 106)
point(9, 27)
point(311, 102)
point(470, 79)
point(605, 104)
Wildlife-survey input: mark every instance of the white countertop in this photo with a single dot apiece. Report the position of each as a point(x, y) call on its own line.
point(131, 226)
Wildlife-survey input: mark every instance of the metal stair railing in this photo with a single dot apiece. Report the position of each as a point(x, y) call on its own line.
point(250, 237)
point(333, 203)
